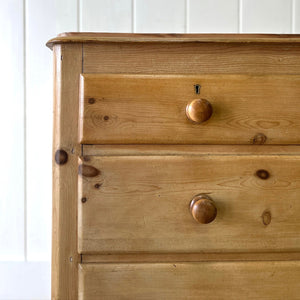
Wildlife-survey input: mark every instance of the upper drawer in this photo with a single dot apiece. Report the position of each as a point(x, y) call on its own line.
point(147, 109)
point(143, 203)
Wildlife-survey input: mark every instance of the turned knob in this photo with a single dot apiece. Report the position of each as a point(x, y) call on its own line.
point(199, 110)
point(203, 209)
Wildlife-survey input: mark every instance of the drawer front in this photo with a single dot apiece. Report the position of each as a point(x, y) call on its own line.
point(143, 203)
point(206, 280)
point(145, 109)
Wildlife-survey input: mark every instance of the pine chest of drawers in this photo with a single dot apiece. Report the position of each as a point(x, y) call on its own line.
point(176, 169)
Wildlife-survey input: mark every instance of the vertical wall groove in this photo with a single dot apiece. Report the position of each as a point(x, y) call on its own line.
point(187, 13)
point(25, 132)
point(133, 16)
point(240, 17)
point(293, 17)
point(78, 15)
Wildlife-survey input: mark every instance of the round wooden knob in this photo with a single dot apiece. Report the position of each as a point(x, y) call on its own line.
point(203, 209)
point(199, 110)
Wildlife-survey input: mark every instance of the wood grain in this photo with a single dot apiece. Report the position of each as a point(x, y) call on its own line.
point(121, 215)
point(65, 258)
point(192, 58)
point(146, 109)
point(141, 204)
point(206, 280)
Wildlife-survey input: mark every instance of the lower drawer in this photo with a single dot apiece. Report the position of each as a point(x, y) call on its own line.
point(141, 203)
point(206, 280)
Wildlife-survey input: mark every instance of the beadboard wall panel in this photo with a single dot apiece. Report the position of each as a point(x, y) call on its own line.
point(106, 15)
point(266, 16)
point(12, 131)
point(160, 16)
point(66, 16)
point(42, 19)
point(208, 16)
point(38, 106)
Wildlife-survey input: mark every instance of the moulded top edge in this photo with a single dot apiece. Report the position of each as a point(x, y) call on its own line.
point(95, 37)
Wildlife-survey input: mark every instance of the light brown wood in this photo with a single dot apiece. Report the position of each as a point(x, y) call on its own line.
point(206, 280)
point(92, 37)
point(192, 58)
point(141, 204)
point(65, 258)
point(188, 257)
point(141, 161)
point(147, 109)
point(238, 150)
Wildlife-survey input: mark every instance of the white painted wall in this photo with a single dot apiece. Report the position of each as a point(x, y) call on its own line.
point(26, 102)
